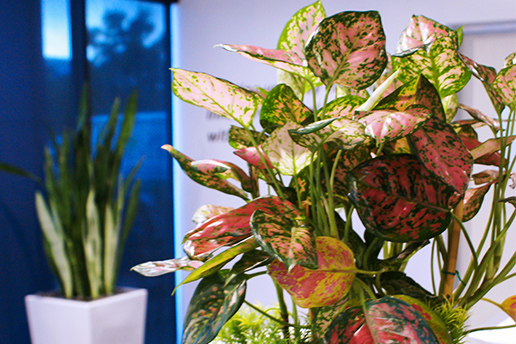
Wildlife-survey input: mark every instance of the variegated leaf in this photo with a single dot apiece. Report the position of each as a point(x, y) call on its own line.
point(439, 62)
point(282, 106)
point(208, 211)
point(483, 177)
point(346, 133)
point(421, 31)
point(323, 319)
point(509, 306)
point(399, 200)
point(479, 116)
point(289, 238)
point(442, 152)
point(486, 75)
point(239, 137)
point(226, 229)
point(386, 320)
point(254, 157)
point(209, 180)
point(343, 107)
point(158, 268)
point(348, 49)
point(490, 146)
point(222, 169)
point(216, 95)
point(250, 260)
point(473, 201)
point(450, 105)
point(510, 60)
point(487, 159)
point(323, 286)
point(390, 125)
point(505, 86)
point(213, 303)
point(284, 154)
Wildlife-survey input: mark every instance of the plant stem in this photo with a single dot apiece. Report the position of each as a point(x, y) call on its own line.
point(453, 250)
point(283, 310)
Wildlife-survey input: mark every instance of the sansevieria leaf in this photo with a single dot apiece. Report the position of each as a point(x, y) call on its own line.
point(323, 286)
point(348, 49)
point(216, 95)
point(399, 200)
point(214, 302)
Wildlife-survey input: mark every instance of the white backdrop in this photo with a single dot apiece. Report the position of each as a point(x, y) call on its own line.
point(198, 25)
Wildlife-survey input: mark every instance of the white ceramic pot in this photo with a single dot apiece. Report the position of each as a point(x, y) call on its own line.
point(116, 319)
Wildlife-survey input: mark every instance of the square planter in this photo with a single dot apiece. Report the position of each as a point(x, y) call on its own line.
point(116, 319)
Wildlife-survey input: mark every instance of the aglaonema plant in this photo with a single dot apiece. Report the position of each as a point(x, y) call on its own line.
point(351, 129)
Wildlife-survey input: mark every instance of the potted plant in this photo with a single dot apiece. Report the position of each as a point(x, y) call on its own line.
point(351, 129)
point(86, 210)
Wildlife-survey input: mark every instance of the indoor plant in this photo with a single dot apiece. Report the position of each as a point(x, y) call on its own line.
point(378, 139)
point(85, 210)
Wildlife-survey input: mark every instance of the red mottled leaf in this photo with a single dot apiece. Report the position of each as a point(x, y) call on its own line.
point(505, 86)
point(348, 49)
point(390, 125)
point(323, 319)
point(209, 180)
point(443, 153)
point(473, 201)
point(387, 320)
point(208, 211)
point(226, 229)
point(471, 143)
point(323, 286)
point(288, 237)
point(222, 169)
point(213, 303)
point(216, 95)
point(253, 158)
point(421, 31)
point(158, 268)
point(399, 200)
point(282, 106)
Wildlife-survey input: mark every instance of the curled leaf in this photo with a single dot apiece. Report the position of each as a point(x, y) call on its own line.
point(158, 268)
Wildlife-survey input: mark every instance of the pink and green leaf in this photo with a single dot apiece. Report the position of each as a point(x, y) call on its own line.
point(487, 176)
point(321, 287)
point(222, 169)
point(282, 106)
point(486, 159)
point(343, 107)
point(239, 137)
point(491, 146)
point(421, 31)
point(348, 49)
point(158, 268)
point(510, 60)
point(253, 157)
point(208, 211)
point(209, 180)
point(442, 152)
point(213, 303)
point(473, 201)
point(505, 86)
point(390, 125)
point(480, 117)
point(286, 155)
point(289, 238)
point(399, 200)
point(216, 95)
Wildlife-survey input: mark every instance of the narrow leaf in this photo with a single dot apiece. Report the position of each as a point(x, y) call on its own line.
point(158, 268)
point(473, 201)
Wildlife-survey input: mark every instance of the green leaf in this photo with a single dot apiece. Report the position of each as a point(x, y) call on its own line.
point(399, 200)
point(249, 261)
point(323, 286)
point(19, 172)
point(216, 95)
point(212, 305)
point(288, 237)
point(209, 180)
point(505, 86)
point(239, 137)
point(158, 268)
point(348, 49)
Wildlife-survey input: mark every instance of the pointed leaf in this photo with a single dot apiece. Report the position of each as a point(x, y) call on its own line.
point(216, 95)
point(421, 31)
point(505, 85)
point(472, 143)
point(286, 155)
point(324, 317)
point(342, 107)
point(483, 177)
point(348, 49)
point(250, 260)
point(208, 211)
point(473, 201)
point(399, 200)
point(252, 156)
point(390, 125)
point(222, 169)
point(289, 238)
point(212, 305)
point(158, 268)
point(209, 180)
point(239, 137)
point(443, 153)
point(510, 60)
point(490, 146)
point(323, 286)
point(479, 116)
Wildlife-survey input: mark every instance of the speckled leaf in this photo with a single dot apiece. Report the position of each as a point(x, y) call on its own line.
point(348, 49)
point(282, 106)
point(390, 125)
point(386, 320)
point(473, 201)
point(483, 177)
point(239, 137)
point(510, 60)
point(421, 31)
point(289, 238)
point(471, 143)
point(505, 86)
point(348, 160)
point(158, 268)
point(486, 75)
point(450, 105)
point(509, 306)
point(252, 156)
point(443, 153)
point(222, 169)
point(346, 133)
point(226, 229)
point(490, 146)
point(341, 107)
point(213, 303)
point(216, 95)
point(209, 180)
point(286, 155)
point(439, 62)
point(399, 200)
point(323, 319)
point(206, 212)
point(324, 286)
point(250, 260)
point(479, 116)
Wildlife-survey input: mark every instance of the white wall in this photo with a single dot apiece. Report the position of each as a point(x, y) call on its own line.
point(201, 24)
